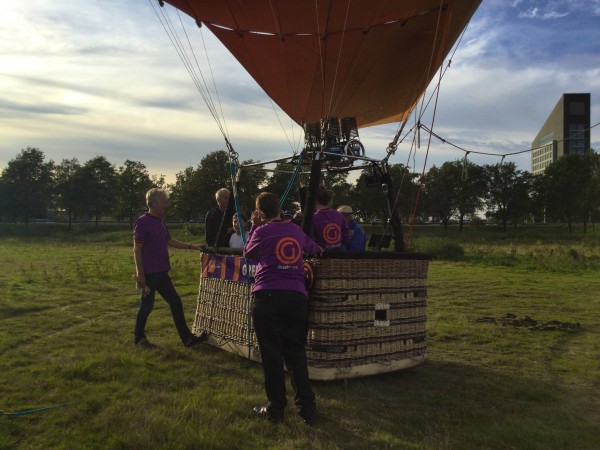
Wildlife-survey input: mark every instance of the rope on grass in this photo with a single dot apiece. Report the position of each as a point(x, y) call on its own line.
point(31, 411)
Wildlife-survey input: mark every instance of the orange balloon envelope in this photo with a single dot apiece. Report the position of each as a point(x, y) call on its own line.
point(369, 59)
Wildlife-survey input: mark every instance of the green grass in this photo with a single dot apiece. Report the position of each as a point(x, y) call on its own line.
point(67, 307)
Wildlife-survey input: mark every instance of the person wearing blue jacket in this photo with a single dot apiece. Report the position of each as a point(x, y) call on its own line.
point(358, 240)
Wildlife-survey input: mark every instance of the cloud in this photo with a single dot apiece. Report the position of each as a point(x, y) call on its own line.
point(11, 109)
point(534, 13)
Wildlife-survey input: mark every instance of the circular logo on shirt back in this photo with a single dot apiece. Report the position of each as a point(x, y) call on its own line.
point(288, 250)
point(332, 233)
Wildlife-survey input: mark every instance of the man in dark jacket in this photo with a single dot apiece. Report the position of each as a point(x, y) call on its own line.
point(214, 218)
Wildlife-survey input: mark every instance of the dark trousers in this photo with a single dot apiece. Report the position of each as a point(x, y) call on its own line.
point(161, 282)
point(281, 324)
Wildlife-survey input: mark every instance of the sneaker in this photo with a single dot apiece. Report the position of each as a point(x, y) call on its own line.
point(194, 340)
point(310, 418)
point(143, 342)
point(270, 415)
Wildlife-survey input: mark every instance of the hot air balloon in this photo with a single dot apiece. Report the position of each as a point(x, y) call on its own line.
point(335, 66)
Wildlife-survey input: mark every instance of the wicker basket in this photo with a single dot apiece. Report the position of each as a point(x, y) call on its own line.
point(367, 312)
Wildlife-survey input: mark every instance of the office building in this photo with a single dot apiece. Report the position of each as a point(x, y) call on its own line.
point(566, 131)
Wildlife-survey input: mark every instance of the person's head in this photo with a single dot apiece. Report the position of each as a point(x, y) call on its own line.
point(346, 212)
point(236, 224)
point(157, 201)
point(268, 203)
point(325, 196)
point(288, 214)
point(222, 197)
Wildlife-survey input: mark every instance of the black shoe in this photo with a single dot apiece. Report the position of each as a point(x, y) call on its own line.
point(194, 340)
point(265, 413)
point(143, 342)
point(310, 418)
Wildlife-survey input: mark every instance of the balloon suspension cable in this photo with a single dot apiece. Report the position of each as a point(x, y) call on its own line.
point(195, 73)
point(234, 171)
point(437, 94)
point(292, 180)
point(392, 146)
point(337, 65)
point(296, 144)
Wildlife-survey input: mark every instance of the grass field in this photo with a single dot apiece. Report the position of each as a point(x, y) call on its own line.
point(67, 307)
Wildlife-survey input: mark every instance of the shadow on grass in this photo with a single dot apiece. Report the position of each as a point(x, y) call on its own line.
point(442, 404)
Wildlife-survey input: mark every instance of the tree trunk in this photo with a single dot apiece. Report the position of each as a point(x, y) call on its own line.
point(461, 220)
point(70, 219)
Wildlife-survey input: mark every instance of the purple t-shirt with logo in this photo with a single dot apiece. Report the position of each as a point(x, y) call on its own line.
point(278, 246)
point(152, 232)
point(329, 228)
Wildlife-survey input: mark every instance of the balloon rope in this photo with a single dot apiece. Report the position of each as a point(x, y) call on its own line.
point(288, 78)
point(204, 83)
point(337, 64)
point(171, 33)
point(292, 180)
point(322, 66)
point(422, 178)
point(234, 172)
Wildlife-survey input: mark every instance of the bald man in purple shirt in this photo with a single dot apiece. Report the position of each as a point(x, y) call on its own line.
point(280, 307)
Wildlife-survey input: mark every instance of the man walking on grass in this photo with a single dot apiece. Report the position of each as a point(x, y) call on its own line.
point(151, 242)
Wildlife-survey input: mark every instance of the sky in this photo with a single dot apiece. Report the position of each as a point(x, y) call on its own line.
point(82, 78)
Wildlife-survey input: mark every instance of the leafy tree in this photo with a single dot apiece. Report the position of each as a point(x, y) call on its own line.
point(184, 194)
point(439, 201)
point(28, 183)
point(371, 203)
point(251, 182)
point(566, 185)
point(68, 194)
point(278, 182)
point(590, 201)
point(213, 174)
point(455, 189)
point(132, 182)
point(469, 189)
point(521, 204)
point(97, 180)
point(507, 191)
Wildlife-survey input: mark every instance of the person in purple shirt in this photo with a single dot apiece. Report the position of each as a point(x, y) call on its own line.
point(151, 240)
point(329, 228)
point(280, 307)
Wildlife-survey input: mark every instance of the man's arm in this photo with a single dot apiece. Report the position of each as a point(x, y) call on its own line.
point(139, 276)
point(183, 246)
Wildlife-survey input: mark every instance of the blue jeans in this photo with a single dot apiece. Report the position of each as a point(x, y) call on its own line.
point(161, 282)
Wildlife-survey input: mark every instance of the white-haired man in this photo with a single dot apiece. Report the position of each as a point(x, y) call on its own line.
point(214, 217)
point(151, 242)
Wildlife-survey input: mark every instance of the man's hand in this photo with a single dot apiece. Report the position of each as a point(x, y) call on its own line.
point(257, 217)
point(198, 246)
point(139, 278)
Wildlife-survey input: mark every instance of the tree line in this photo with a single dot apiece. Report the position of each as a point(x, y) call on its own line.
point(32, 188)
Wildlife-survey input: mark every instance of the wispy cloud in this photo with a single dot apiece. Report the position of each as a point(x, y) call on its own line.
point(535, 13)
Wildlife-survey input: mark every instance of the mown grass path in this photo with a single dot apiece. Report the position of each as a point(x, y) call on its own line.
point(66, 317)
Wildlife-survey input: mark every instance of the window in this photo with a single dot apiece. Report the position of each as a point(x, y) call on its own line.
point(576, 139)
point(577, 108)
